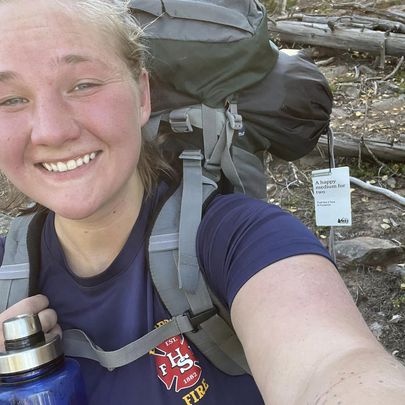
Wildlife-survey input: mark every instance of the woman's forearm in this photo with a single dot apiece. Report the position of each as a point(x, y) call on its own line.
point(361, 377)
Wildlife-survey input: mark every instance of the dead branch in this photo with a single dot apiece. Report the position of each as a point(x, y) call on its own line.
point(388, 193)
point(283, 7)
point(353, 21)
point(347, 145)
point(397, 67)
point(326, 62)
point(370, 10)
point(366, 40)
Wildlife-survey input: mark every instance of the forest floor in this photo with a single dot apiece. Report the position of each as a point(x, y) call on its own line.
point(372, 109)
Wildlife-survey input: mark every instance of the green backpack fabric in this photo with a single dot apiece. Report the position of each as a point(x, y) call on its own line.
point(206, 49)
point(220, 85)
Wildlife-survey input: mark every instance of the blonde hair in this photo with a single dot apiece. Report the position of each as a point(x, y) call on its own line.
point(114, 20)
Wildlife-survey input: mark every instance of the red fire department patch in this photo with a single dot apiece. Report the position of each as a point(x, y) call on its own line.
point(175, 362)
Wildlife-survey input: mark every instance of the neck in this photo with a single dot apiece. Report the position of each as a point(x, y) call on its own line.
point(91, 244)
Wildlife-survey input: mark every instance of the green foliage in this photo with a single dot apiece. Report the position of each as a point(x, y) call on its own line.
point(398, 302)
point(400, 79)
point(369, 170)
point(272, 5)
point(333, 85)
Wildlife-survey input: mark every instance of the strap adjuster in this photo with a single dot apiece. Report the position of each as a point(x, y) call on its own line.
point(179, 121)
point(191, 154)
point(197, 320)
point(235, 119)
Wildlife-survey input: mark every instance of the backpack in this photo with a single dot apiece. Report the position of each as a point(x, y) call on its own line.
point(236, 97)
point(220, 85)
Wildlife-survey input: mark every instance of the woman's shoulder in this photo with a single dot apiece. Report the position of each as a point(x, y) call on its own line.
point(239, 236)
point(238, 218)
point(239, 207)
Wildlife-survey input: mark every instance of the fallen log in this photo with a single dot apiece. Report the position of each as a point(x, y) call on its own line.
point(349, 21)
point(363, 40)
point(371, 10)
point(347, 145)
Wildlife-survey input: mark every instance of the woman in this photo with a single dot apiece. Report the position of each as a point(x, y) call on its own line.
point(74, 96)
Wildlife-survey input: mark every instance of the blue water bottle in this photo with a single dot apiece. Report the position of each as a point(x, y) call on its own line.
point(33, 370)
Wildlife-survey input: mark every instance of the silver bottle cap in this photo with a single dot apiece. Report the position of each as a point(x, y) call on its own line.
point(26, 346)
point(21, 326)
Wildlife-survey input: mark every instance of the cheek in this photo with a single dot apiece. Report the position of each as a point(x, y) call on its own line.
point(12, 143)
point(115, 118)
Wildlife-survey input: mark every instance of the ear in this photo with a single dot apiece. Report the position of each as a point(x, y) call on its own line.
point(144, 97)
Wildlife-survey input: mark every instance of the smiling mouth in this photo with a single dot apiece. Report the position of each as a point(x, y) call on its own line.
point(70, 164)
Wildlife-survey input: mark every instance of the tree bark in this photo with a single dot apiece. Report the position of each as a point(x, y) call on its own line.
point(349, 21)
point(371, 10)
point(347, 145)
point(364, 40)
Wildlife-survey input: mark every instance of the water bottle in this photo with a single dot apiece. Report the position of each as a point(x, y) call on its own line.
point(33, 370)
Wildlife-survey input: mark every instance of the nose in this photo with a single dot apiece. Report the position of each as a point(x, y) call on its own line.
point(54, 122)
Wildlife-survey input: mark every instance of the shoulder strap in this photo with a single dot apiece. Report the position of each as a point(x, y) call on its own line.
point(14, 271)
point(21, 260)
point(180, 282)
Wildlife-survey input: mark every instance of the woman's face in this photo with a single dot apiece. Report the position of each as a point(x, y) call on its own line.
point(70, 113)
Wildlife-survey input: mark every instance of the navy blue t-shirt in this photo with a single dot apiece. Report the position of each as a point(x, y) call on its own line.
point(238, 237)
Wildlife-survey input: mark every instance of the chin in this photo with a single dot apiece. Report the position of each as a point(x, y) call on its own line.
point(77, 212)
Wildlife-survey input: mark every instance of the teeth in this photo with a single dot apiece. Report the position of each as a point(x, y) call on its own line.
point(61, 167)
point(70, 164)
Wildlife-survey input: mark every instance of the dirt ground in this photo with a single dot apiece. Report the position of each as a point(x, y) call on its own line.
point(380, 295)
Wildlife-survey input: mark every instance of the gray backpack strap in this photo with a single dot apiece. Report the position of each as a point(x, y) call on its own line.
point(14, 271)
point(213, 333)
point(218, 126)
point(77, 344)
point(234, 122)
point(190, 218)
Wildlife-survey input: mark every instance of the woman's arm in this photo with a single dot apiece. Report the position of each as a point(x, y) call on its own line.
point(307, 343)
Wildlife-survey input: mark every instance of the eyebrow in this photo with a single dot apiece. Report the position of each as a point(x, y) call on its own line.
point(7, 76)
point(72, 59)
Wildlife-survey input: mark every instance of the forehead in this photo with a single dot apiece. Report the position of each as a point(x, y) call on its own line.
point(36, 13)
point(45, 24)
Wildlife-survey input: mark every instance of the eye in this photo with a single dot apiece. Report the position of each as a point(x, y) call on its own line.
point(14, 101)
point(85, 86)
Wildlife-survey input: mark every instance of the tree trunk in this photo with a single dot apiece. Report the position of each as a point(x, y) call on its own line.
point(347, 145)
point(349, 21)
point(363, 40)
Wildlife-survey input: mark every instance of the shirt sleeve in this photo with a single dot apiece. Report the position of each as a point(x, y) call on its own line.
point(239, 236)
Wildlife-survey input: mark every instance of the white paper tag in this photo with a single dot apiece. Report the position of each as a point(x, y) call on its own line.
point(332, 197)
